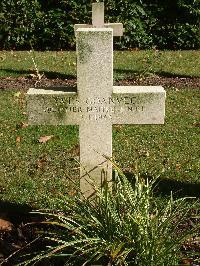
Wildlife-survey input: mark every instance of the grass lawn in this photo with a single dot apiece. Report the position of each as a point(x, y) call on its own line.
point(126, 63)
point(38, 173)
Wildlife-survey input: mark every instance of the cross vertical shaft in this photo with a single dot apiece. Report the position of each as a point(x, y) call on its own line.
point(98, 21)
point(94, 81)
point(98, 15)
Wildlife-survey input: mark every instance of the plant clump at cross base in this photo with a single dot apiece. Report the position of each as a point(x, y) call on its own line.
point(127, 226)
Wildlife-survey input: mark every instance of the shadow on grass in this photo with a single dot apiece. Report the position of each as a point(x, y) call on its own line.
point(164, 187)
point(47, 74)
point(14, 212)
point(127, 72)
point(15, 242)
point(164, 74)
point(181, 189)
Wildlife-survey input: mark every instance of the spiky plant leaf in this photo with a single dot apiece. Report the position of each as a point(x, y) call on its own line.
point(118, 227)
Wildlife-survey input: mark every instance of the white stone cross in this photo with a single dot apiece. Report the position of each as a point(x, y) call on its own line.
point(96, 105)
point(98, 21)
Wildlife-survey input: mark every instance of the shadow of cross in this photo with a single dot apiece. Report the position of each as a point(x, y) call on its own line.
point(96, 105)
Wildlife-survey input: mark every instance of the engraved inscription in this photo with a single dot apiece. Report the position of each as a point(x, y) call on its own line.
point(94, 108)
point(110, 100)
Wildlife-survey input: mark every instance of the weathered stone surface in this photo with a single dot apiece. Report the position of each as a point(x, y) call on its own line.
point(98, 15)
point(139, 105)
point(116, 27)
point(94, 80)
point(96, 104)
point(125, 105)
point(98, 21)
point(53, 106)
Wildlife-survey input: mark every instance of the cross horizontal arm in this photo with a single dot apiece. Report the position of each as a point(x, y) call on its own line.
point(138, 105)
point(127, 105)
point(53, 106)
point(117, 27)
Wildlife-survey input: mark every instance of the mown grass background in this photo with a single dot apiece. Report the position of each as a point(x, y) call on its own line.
point(37, 173)
point(62, 64)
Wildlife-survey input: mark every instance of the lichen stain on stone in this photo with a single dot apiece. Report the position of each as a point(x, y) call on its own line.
point(58, 108)
point(84, 50)
point(143, 99)
point(84, 44)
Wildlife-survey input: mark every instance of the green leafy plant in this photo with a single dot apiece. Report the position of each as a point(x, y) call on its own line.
point(124, 226)
point(164, 24)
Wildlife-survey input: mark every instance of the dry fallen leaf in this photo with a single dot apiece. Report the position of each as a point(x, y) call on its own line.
point(186, 261)
point(178, 166)
point(18, 139)
point(21, 125)
point(196, 124)
point(5, 225)
point(44, 139)
point(72, 193)
point(41, 163)
point(24, 125)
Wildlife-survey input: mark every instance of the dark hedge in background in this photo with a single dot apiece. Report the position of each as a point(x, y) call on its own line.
point(48, 24)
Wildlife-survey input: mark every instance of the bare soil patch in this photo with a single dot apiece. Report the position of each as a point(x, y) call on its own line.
point(166, 82)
